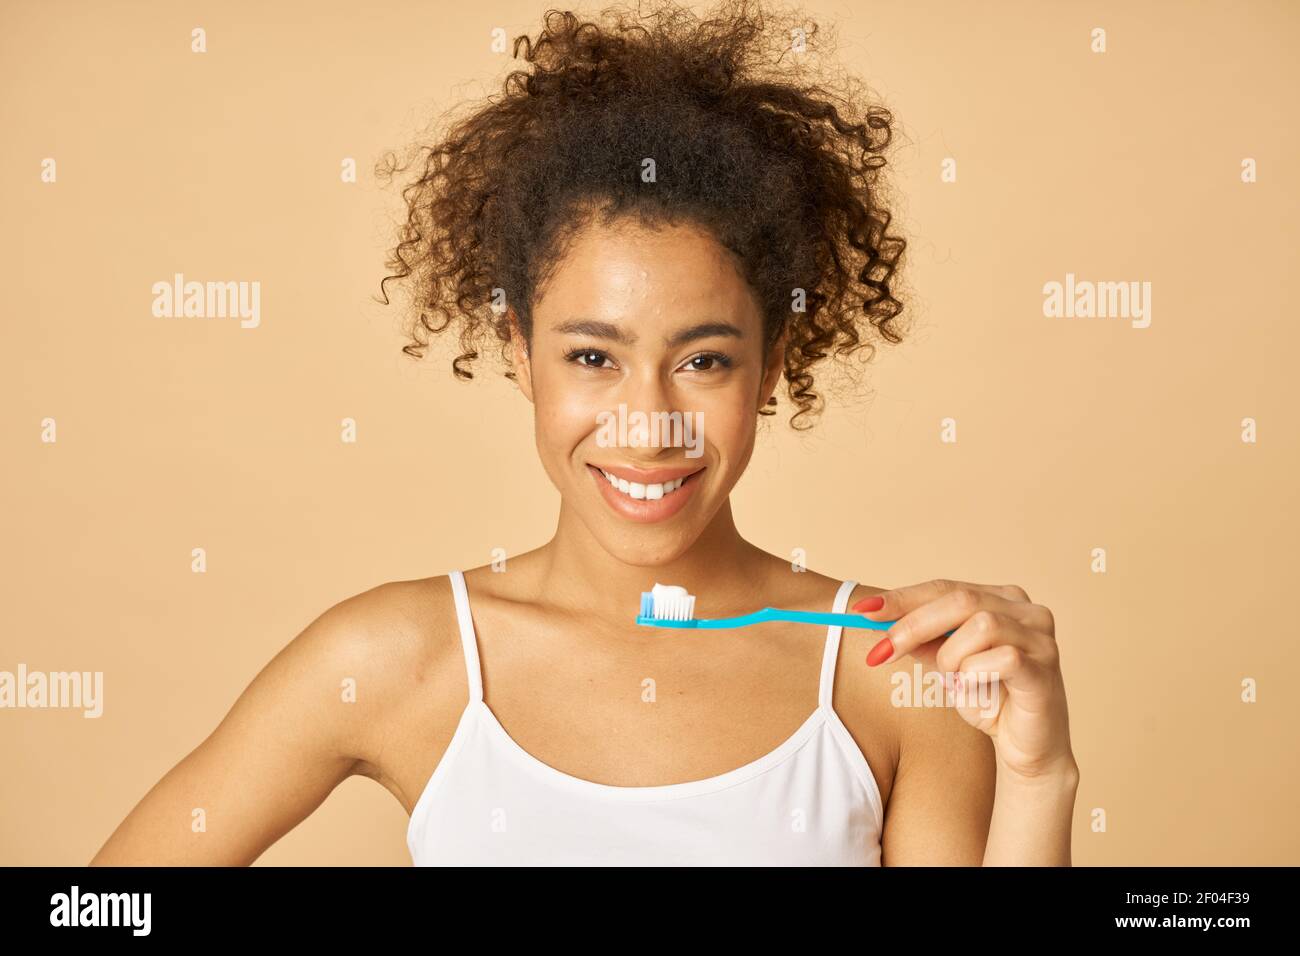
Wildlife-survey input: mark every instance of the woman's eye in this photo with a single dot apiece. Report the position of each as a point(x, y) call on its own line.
point(588, 358)
point(707, 362)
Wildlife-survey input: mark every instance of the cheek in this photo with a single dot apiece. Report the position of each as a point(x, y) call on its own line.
point(730, 425)
point(564, 416)
point(732, 435)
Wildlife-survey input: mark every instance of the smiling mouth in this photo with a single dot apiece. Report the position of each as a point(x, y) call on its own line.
point(645, 501)
point(644, 491)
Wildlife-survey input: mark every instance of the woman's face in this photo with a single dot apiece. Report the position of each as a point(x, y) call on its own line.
point(646, 370)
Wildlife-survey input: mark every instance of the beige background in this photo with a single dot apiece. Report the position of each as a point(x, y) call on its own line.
point(1072, 434)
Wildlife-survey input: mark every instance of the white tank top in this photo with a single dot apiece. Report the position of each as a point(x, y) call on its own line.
point(812, 801)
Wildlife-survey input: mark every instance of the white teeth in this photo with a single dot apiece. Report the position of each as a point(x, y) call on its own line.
point(643, 492)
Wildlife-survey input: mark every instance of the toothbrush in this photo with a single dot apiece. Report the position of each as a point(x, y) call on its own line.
point(671, 606)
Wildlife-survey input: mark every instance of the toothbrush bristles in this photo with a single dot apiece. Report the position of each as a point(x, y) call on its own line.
point(675, 608)
point(666, 602)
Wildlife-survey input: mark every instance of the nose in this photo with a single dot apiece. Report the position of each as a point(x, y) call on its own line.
point(649, 402)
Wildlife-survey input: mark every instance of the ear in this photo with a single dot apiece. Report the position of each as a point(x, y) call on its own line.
point(522, 366)
point(773, 368)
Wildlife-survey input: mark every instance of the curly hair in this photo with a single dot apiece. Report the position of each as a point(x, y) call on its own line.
point(782, 172)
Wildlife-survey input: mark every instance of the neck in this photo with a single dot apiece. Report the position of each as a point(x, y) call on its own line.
point(721, 568)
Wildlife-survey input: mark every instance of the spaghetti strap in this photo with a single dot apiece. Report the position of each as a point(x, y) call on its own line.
point(468, 643)
point(831, 654)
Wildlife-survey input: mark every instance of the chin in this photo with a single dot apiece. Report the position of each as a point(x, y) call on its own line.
point(646, 551)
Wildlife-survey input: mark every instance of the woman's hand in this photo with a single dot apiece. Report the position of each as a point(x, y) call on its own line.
point(1002, 661)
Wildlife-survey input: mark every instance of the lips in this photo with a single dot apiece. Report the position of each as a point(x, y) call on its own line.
point(645, 495)
point(649, 476)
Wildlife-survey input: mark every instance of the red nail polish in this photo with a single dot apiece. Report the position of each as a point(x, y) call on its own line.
point(874, 603)
point(881, 652)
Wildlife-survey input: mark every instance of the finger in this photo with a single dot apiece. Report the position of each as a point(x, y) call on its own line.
point(940, 616)
point(986, 629)
point(1006, 664)
point(893, 604)
point(1012, 592)
point(982, 693)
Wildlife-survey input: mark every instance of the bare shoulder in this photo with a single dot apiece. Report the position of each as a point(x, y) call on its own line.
point(861, 698)
point(937, 776)
point(383, 650)
point(898, 708)
point(945, 779)
point(398, 619)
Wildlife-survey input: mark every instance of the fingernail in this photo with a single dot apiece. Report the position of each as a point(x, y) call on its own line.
point(873, 603)
point(881, 652)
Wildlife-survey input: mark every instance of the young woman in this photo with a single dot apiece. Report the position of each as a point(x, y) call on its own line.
point(661, 217)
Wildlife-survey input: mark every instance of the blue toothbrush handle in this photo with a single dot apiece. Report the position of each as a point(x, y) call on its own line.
point(775, 614)
point(820, 617)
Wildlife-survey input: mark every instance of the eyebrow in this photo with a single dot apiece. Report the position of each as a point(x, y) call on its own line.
point(607, 330)
point(598, 330)
point(705, 330)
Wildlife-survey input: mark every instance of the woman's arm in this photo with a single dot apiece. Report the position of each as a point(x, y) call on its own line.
point(954, 804)
point(942, 795)
point(287, 742)
point(1032, 819)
